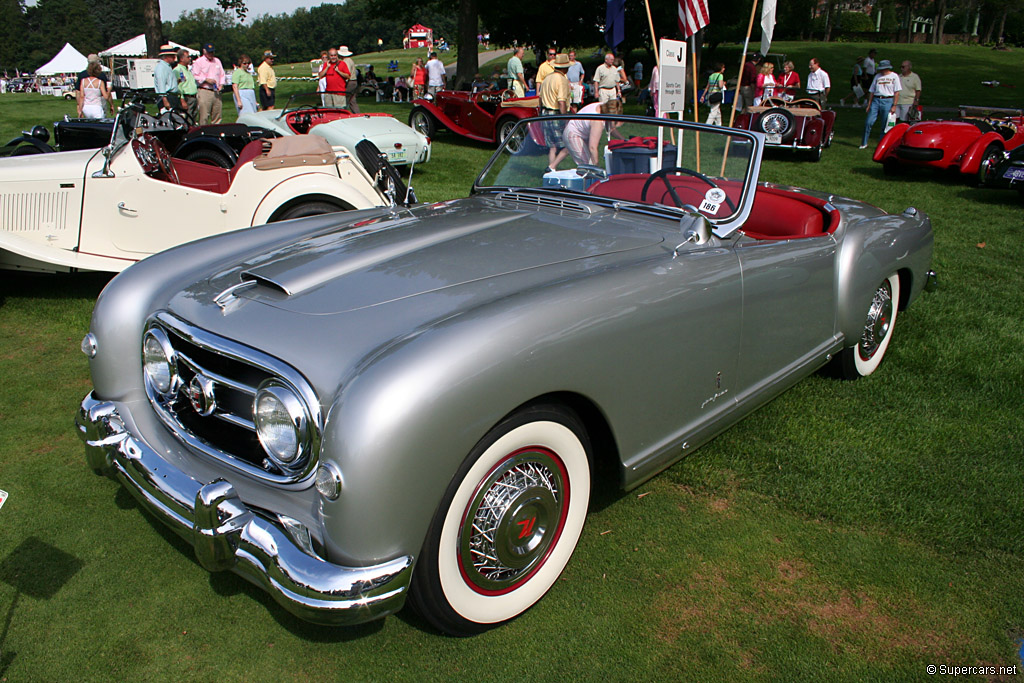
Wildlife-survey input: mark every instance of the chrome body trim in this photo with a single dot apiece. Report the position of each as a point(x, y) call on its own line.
point(227, 534)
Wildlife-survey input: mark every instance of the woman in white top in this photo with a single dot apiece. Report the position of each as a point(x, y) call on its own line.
point(582, 136)
point(92, 94)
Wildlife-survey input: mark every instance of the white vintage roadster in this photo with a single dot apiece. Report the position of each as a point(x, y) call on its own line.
point(106, 209)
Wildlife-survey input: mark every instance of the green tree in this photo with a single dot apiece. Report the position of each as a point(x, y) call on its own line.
point(12, 32)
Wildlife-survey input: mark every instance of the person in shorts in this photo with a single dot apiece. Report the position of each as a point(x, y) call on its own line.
point(555, 93)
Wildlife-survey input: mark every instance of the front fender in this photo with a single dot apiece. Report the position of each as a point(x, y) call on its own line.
point(971, 160)
point(312, 184)
point(890, 141)
point(873, 249)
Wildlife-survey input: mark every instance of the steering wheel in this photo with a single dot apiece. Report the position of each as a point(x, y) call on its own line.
point(507, 95)
point(774, 102)
point(153, 156)
point(663, 175)
point(179, 118)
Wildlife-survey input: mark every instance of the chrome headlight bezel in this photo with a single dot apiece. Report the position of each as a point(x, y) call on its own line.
point(299, 420)
point(166, 349)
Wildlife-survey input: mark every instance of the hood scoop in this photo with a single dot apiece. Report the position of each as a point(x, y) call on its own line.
point(293, 275)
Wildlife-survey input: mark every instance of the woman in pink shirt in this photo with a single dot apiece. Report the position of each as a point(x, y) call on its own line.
point(765, 83)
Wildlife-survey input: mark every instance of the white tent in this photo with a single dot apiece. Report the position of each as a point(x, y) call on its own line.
point(67, 61)
point(136, 47)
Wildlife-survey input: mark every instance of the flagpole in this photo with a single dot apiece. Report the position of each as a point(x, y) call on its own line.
point(736, 97)
point(693, 53)
point(654, 39)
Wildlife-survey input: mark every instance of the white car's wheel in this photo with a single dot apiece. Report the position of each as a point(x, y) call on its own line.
point(864, 358)
point(508, 523)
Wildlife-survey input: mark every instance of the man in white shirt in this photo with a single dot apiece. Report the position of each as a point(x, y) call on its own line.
point(436, 77)
point(868, 68)
point(818, 83)
point(606, 80)
point(880, 97)
point(910, 93)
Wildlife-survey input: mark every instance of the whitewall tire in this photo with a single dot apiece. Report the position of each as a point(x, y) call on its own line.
point(864, 358)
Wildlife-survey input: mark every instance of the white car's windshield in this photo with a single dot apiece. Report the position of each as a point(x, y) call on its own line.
point(646, 161)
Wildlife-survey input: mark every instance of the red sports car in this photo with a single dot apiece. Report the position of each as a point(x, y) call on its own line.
point(797, 125)
point(487, 116)
point(962, 144)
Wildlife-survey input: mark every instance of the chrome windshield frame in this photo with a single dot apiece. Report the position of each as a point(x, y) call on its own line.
point(721, 227)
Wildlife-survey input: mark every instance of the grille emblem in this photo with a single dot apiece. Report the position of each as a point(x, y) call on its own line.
point(200, 395)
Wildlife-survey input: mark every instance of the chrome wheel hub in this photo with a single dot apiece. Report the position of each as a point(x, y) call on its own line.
point(876, 327)
point(512, 520)
point(774, 124)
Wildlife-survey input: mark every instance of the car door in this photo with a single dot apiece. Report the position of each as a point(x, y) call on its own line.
point(132, 215)
point(789, 306)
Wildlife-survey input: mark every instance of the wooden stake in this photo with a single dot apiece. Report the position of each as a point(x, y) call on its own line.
point(736, 97)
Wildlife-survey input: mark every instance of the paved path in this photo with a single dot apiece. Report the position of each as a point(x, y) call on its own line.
point(482, 59)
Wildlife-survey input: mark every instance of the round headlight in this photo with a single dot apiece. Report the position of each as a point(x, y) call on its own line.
point(159, 361)
point(282, 422)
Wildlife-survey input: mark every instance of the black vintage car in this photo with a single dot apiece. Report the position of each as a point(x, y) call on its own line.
point(1004, 172)
point(217, 145)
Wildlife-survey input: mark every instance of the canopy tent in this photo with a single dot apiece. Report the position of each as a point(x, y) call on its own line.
point(136, 47)
point(418, 36)
point(67, 61)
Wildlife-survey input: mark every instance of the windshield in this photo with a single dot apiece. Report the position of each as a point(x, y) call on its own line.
point(305, 100)
point(657, 163)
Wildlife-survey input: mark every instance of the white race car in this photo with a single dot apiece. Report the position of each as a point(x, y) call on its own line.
point(108, 208)
point(306, 113)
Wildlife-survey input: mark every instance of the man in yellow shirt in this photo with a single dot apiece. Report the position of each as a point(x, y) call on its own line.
point(545, 69)
point(555, 94)
point(268, 80)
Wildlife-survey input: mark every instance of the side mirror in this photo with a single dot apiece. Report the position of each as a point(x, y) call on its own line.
point(694, 227)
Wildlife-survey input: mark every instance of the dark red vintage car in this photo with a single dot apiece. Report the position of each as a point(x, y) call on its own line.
point(963, 144)
point(800, 125)
point(487, 116)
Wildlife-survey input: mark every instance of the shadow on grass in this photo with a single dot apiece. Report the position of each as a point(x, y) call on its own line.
point(36, 569)
point(52, 285)
point(992, 197)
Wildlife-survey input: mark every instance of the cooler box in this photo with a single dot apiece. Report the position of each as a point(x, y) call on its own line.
point(567, 178)
point(637, 155)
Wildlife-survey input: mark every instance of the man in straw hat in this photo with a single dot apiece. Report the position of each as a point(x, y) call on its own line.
point(555, 94)
point(165, 82)
point(352, 87)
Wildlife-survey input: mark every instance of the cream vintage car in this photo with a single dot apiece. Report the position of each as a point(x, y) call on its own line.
point(105, 209)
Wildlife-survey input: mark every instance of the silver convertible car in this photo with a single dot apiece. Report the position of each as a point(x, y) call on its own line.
point(395, 404)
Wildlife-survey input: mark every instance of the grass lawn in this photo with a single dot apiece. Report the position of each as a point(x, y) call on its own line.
point(847, 531)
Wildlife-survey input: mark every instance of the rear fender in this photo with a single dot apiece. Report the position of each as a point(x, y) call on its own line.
point(315, 186)
point(447, 122)
point(975, 153)
point(890, 141)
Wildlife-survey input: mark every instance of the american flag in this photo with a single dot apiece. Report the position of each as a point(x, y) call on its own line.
point(693, 16)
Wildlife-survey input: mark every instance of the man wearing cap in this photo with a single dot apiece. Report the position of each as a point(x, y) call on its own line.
point(352, 87)
point(187, 87)
point(210, 78)
point(337, 76)
point(165, 81)
point(268, 80)
point(880, 97)
point(555, 94)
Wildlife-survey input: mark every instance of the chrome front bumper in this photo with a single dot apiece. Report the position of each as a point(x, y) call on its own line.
point(227, 534)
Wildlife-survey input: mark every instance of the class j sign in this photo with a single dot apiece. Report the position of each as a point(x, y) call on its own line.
point(671, 75)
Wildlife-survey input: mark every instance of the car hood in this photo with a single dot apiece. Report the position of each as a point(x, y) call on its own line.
point(42, 167)
point(939, 133)
point(425, 250)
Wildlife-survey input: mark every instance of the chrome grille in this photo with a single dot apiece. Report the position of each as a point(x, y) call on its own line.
point(236, 372)
point(542, 201)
